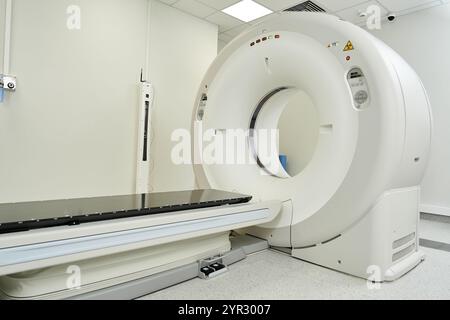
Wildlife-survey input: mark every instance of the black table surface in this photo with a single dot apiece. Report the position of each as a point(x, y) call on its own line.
point(25, 216)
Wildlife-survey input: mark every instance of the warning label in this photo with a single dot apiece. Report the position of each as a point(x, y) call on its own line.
point(349, 46)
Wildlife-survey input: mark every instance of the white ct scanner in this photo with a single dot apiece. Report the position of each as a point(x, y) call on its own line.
point(350, 203)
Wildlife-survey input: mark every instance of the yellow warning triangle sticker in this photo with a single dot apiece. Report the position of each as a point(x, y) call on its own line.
point(349, 46)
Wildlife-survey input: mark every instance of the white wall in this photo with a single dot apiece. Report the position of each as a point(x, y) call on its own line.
point(423, 39)
point(70, 129)
point(2, 31)
point(181, 50)
point(220, 45)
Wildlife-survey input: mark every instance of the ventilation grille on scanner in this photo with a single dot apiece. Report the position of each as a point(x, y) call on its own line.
point(307, 6)
point(409, 241)
point(402, 241)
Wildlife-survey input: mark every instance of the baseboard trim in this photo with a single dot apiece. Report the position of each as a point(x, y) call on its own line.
point(443, 211)
point(435, 245)
point(435, 217)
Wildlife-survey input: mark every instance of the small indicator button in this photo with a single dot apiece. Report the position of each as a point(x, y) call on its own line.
point(361, 97)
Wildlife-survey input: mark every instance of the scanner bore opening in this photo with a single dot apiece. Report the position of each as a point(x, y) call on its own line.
point(293, 114)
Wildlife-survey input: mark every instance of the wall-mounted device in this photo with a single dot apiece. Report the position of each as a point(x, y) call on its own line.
point(144, 136)
point(8, 82)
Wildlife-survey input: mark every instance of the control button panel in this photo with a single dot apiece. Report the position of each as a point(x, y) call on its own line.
point(361, 97)
point(359, 88)
point(202, 107)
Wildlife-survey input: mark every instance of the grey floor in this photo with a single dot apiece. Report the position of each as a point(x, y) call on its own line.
point(273, 275)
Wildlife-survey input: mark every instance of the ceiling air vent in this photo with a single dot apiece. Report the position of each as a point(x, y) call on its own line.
point(307, 6)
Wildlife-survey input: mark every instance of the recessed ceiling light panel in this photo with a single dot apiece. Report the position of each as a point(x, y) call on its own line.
point(247, 10)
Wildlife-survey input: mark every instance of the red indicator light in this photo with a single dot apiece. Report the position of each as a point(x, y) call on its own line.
point(258, 41)
point(348, 58)
point(264, 39)
point(277, 36)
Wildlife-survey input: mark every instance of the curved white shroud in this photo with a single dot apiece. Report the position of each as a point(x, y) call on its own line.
point(354, 207)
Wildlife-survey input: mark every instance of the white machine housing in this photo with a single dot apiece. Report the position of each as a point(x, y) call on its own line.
point(354, 206)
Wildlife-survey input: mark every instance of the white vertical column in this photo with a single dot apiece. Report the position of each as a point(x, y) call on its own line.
point(144, 137)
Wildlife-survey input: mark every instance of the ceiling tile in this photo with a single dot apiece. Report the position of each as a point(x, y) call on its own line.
point(279, 5)
point(338, 5)
point(169, 2)
point(352, 14)
point(262, 19)
point(400, 5)
point(424, 6)
point(194, 7)
point(224, 21)
point(219, 4)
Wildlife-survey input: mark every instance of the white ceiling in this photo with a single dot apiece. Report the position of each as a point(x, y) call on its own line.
point(230, 27)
